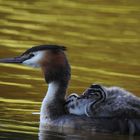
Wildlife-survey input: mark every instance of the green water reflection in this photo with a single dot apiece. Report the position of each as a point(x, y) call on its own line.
point(102, 38)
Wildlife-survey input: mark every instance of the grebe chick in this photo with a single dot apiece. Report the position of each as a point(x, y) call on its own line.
point(112, 102)
point(56, 69)
point(80, 105)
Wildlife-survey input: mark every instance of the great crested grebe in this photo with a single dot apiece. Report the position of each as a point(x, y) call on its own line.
point(54, 64)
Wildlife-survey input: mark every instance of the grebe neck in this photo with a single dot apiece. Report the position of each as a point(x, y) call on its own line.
point(57, 77)
point(53, 103)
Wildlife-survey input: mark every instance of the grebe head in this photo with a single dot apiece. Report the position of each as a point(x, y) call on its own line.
point(50, 58)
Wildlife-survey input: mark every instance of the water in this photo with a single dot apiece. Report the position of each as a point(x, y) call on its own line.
point(102, 38)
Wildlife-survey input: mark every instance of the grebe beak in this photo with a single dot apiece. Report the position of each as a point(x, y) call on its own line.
point(17, 60)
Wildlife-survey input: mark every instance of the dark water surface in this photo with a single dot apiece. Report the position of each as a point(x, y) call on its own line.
point(103, 40)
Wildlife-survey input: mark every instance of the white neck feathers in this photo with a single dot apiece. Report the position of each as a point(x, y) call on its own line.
point(52, 89)
point(51, 94)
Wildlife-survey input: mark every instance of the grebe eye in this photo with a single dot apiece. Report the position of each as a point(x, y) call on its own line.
point(31, 55)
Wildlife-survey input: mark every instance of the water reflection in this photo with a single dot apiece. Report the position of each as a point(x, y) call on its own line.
point(52, 135)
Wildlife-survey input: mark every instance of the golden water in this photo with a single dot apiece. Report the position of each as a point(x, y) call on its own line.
point(103, 41)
